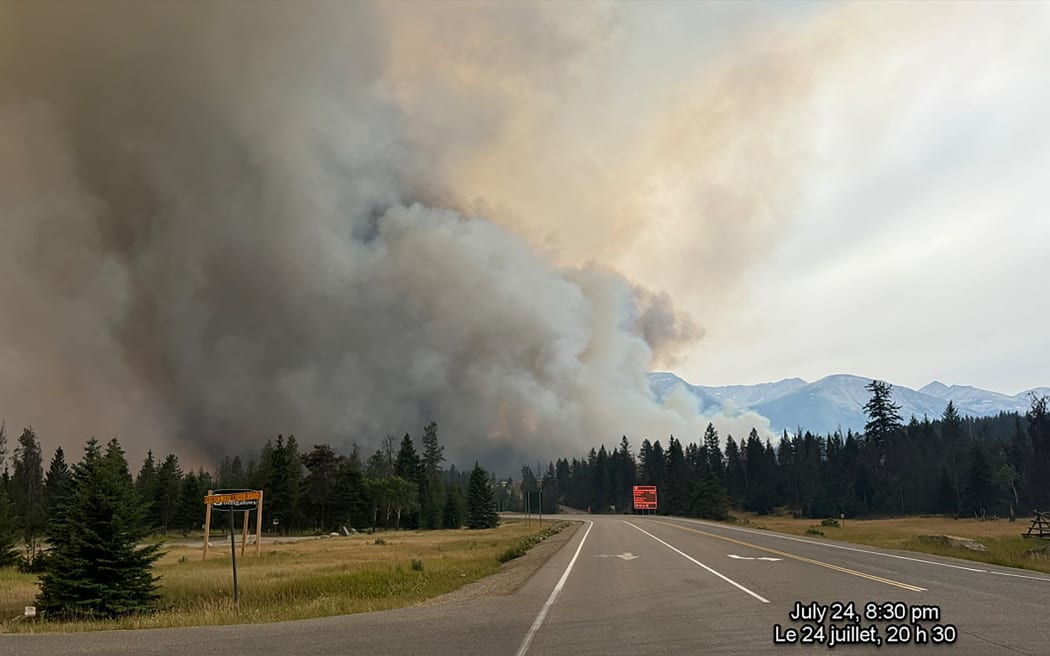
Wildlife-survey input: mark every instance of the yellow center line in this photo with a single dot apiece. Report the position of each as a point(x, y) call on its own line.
point(837, 568)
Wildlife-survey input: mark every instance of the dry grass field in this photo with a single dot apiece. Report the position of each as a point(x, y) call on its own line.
point(1001, 537)
point(312, 578)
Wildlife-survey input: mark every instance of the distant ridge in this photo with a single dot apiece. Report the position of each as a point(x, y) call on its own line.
point(837, 401)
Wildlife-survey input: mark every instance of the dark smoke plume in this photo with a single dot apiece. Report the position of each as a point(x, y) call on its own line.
point(218, 225)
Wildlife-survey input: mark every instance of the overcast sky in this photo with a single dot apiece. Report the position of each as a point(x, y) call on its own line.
point(881, 170)
point(920, 246)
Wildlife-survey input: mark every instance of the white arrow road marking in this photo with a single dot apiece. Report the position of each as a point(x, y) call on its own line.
point(753, 558)
point(624, 556)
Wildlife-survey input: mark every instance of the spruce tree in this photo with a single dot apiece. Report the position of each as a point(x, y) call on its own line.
point(8, 535)
point(166, 493)
point(431, 487)
point(980, 487)
point(481, 504)
point(27, 493)
point(709, 499)
point(58, 490)
point(884, 415)
point(409, 466)
point(452, 514)
point(97, 568)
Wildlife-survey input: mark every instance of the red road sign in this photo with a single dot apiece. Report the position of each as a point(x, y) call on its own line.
point(645, 497)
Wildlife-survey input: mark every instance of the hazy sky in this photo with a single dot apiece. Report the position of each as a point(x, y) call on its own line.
point(919, 247)
point(884, 168)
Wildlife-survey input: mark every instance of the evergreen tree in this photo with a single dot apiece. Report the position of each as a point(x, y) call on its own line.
point(281, 475)
point(481, 505)
point(980, 488)
point(8, 534)
point(715, 459)
point(734, 471)
point(431, 488)
point(408, 466)
point(709, 499)
point(98, 568)
point(322, 463)
point(452, 514)
point(953, 452)
point(677, 480)
point(1039, 434)
point(191, 511)
point(146, 486)
point(759, 476)
point(349, 497)
point(884, 420)
point(58, 490)
point(166, 494)
point(27, 493)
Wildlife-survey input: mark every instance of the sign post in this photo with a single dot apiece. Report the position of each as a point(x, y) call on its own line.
point(233, 501)
point(644, 497)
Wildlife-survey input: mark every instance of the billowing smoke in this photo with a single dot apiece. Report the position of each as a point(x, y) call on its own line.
point(225, 221)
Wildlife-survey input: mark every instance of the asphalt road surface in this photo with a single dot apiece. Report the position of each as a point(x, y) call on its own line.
point(649, 585)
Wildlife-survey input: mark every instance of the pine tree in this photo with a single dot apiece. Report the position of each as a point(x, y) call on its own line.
point(481, 504)
point(98, 569)
point(734, 471)
point(1039, 433)
point(167, 492)
point(191, 511)
point(431, 488)
point(884, 415)
point(980, 488)
point(8, 535)
point(452, 514)
point(27, 493)
point(320, 483)
point(146, 486)
point(715, 459)
point(58, 490)
point(709, 499)
point(408, 466)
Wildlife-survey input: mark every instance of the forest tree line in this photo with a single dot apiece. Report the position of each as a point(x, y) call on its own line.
point(316, 491)
point(953, 465)
point(59, 522)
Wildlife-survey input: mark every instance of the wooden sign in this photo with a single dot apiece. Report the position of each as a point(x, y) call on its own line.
point(234, 500)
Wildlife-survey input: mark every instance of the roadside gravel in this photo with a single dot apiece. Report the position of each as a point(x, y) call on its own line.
point(513, 573)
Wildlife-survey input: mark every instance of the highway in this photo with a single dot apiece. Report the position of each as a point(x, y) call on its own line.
point(655, 585)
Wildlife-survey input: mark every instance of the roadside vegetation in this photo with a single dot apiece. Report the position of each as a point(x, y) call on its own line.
point(942, 536)
point(311, 578)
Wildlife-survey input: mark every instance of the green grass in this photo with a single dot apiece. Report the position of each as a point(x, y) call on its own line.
point(1002, 538)
point(330, 576)
point(526, 543)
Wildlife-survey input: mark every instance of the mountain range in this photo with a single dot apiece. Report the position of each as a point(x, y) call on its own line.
point(836, 402)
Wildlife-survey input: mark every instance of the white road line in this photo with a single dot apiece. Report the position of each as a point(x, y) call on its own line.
point(697, 562)
point(865, 551)
point(553, 597)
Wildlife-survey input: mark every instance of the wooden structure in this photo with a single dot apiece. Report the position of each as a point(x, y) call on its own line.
point(246, 499)
point(1040, 527)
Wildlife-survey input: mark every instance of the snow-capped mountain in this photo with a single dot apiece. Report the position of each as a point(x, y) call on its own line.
point(837, 401)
